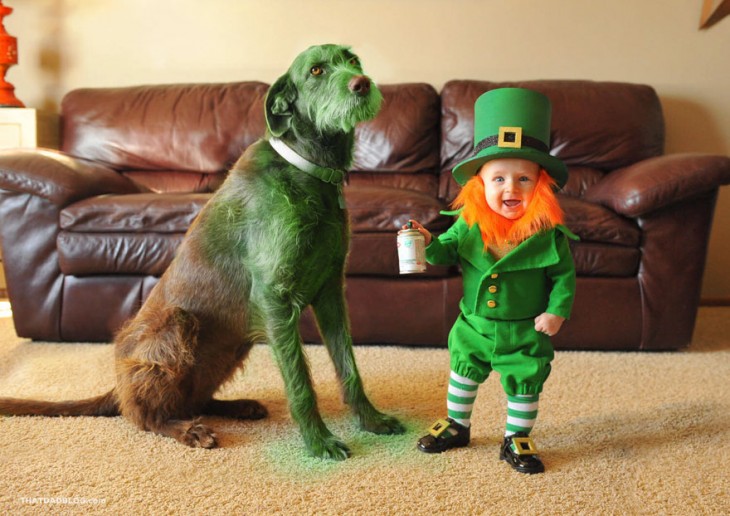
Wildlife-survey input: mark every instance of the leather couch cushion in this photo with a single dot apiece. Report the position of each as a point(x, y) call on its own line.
point(197, 128)
point(594, 223)
point(605, 261)
point(169, 138)
point(609, 243)
point(125, 234)
point(372, 209)
point(82, 254)
point(580, 180)
point(404, 137)
point(136, 213)
point(382, 209)
point(426, 183)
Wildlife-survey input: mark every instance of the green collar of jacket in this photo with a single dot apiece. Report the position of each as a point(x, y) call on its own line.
point(538, 251)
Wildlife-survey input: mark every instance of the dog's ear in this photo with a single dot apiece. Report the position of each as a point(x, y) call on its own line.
point(279, 105)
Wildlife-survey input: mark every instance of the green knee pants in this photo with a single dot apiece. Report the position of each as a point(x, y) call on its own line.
point(514, 349)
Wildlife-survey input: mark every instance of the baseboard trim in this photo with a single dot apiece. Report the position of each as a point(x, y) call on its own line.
point(715, 301)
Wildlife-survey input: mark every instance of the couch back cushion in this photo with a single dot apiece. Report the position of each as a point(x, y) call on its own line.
point(597, 127)
point(404, 136)
point(400, 146)
point(166, 137)
point(183, 138)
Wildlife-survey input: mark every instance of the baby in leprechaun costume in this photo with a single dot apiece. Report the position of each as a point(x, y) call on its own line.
point(519, 276)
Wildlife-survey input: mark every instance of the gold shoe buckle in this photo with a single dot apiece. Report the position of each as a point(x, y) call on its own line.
point(524, 446)
point(439, 427)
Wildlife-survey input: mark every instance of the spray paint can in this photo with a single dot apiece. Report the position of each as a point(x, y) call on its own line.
point(411, 251)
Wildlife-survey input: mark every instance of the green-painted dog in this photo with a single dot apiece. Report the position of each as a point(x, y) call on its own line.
point(270, 242)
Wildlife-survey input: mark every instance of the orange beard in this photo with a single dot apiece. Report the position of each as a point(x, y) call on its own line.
point(542, 213)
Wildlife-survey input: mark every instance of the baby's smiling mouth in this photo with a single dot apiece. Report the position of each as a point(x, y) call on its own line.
point(512, 203)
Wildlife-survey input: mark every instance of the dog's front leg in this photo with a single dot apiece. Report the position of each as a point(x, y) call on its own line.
point(331, 312)
point(283, 332)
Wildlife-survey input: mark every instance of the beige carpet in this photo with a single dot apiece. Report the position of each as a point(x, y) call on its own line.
point(620, 433)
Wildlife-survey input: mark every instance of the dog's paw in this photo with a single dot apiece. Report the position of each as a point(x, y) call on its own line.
point(382, 424)
point(199, 436)
point(329, 448)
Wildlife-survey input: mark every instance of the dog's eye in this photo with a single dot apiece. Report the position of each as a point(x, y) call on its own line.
point(316, 70)
point(354, 61)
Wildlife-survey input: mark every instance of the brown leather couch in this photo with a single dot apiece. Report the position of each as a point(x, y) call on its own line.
point(87, 231)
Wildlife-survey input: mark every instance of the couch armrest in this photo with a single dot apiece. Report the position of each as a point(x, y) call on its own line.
point(658, 182)
point(57, 177)
point(35, 185)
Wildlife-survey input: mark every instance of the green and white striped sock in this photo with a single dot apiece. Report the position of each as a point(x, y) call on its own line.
point(521, 413)
point(460, 398)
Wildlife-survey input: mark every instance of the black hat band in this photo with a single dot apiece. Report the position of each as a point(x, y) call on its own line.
point(511, 139)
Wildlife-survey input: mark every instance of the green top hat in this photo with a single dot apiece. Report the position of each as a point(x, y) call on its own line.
point(512, 123)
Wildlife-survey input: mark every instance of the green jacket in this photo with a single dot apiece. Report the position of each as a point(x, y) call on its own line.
point(535, 277)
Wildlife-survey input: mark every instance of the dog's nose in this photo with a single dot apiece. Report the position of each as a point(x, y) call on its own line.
point(359, 85)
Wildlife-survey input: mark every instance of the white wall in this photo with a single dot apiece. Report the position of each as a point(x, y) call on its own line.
point(65, 44)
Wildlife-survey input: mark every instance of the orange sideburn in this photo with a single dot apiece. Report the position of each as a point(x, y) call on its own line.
point(542, 213)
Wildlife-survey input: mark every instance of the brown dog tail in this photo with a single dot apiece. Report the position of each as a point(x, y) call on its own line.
point(104, 405)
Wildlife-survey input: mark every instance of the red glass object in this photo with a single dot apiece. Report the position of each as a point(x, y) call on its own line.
point(8, 57)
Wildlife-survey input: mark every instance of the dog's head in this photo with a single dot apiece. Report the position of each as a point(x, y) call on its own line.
point(325, 87)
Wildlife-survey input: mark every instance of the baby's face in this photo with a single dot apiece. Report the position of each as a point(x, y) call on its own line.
point(509, 185)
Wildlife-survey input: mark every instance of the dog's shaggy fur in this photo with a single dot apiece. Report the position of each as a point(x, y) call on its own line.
point(270, 242)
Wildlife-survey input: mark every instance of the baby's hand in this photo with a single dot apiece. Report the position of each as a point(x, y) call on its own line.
point(548, 324)
point(417, 225)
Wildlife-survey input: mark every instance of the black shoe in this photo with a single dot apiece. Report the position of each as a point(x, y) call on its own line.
point(525, 459)
point(440, 439)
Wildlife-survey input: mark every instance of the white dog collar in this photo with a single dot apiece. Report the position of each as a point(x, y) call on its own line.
point(326, 174)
